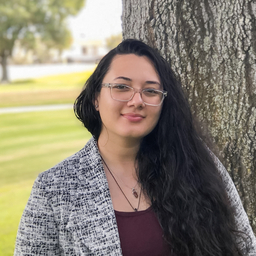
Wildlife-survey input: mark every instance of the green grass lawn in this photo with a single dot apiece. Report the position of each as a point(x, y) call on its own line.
point(42, 91)
point(29, 144)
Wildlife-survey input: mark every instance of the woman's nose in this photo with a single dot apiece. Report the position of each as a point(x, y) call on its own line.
point(136, 100)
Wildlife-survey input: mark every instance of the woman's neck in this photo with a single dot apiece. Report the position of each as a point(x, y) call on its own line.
point(119, 153)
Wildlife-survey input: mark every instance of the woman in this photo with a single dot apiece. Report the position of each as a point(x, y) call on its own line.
point(145, 184)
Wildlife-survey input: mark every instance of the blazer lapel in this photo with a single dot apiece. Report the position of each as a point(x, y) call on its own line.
point(92, 220)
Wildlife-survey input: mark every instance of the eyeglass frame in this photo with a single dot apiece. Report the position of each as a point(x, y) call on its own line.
point(110, 85)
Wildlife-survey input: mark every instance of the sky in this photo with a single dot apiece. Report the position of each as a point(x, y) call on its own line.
point(97, 20)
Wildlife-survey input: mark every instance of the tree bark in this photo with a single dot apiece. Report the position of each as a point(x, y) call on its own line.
point(4, 57)
point(211, 45)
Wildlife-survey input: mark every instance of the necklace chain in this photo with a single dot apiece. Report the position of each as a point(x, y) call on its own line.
point(134, 192)
point(133, 188)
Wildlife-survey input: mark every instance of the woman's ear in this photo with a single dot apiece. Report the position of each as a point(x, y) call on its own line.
point(96, 102)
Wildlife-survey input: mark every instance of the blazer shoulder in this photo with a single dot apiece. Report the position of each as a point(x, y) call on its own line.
point(70, 168)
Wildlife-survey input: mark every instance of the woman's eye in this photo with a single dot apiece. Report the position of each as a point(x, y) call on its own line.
point(121, 87)
point(151, 92)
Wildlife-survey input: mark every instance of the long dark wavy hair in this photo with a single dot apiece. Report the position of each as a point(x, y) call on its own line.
point(175, 168)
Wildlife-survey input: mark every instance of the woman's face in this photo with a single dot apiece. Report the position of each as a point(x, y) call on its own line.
point(132, 119)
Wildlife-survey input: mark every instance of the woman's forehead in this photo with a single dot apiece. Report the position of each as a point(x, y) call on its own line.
point(131, 66)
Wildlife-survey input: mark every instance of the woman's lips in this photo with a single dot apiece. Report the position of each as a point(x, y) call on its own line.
point(133, 117)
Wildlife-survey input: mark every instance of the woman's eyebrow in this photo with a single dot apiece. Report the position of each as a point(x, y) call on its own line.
point(129, 79)
point(153, 82)
point(124, 78)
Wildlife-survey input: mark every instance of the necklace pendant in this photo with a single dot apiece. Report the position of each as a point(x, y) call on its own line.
point(135, 209)
point(134, 192)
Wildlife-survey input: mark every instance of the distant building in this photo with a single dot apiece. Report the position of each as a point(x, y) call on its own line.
point(85, 51)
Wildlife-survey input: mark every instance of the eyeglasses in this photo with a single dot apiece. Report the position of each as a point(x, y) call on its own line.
point(149, 96)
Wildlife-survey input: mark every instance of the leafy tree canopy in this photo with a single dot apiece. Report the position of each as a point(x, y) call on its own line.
point(23, 20)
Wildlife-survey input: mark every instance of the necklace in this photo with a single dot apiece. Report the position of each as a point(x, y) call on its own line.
point(134, 192)
point(133, 189)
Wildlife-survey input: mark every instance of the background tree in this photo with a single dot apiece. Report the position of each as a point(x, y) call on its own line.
point(113, 41)
point(211, 45)
point(24, 20)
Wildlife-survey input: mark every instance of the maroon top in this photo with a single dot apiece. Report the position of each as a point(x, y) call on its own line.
point(140, 234)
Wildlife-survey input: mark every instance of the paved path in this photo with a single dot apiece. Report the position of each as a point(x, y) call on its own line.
point(35, 108)
point(39, 70)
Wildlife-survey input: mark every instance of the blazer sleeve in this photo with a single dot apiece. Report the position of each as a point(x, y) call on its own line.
point(37, 233)
point(241, 219)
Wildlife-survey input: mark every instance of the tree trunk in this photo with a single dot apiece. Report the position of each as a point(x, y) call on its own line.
point(211, 45)
point(4, 68)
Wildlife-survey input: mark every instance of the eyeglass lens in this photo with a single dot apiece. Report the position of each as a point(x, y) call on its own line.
point(124, 93)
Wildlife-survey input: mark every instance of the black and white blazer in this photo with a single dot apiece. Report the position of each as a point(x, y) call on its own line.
point(70, 211)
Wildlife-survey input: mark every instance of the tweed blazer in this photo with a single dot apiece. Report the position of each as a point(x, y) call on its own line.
point(70, 211)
